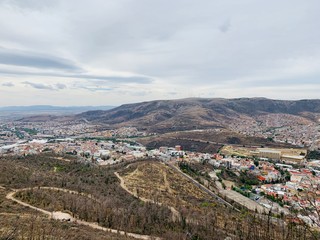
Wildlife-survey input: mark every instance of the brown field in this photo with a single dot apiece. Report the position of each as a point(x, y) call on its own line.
point(238, 151)
point(159, 183)
point(247, 151)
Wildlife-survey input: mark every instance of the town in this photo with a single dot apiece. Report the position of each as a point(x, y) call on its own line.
point(282, 128)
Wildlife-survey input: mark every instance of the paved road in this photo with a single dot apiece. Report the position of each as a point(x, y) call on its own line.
point(243, 201)
point(11, 194)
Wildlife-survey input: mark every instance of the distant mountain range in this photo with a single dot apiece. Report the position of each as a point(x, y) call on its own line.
point(42, 108)
point(14, 112)
point(196, 113)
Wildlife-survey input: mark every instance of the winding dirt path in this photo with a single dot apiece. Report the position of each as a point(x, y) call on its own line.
point(94, 225)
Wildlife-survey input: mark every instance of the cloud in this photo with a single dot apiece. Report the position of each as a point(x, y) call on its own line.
point(111, 79)
point(39, 85)
point(8, 84)
point(34, 60)
point(159, 47)
point(25, 63)
point(98, 89)
point(224, 27)
point(30, 4)
point(117, 79)
point(60, 86)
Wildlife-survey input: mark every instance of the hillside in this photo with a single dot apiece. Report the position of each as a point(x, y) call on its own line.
point(195, 113)
point(95, 197)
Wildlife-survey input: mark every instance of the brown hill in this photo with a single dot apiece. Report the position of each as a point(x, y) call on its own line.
point(196, 113)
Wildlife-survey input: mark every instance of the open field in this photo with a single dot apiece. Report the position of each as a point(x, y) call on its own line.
point(248, 151)
point(159, 183)
point(230, 150)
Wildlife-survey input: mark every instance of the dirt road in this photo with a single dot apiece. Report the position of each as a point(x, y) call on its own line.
point(11, 194)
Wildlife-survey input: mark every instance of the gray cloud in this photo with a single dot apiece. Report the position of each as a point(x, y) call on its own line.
point(185, 46)
point(224, 27)
point(60, 86)
point(63, 67)
point(30, 4)
point(27, 59)
point(97, 89)
point(57, 86)
point(39, 85)
point(114, 79)
point(8, 84)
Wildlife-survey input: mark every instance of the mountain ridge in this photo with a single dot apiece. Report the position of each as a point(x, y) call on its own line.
point(193, 113)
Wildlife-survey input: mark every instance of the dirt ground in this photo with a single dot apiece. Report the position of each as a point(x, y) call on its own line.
point(159, 183)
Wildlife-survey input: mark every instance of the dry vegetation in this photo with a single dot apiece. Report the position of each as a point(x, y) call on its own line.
point(18, 222)
point(159, 183)
point(201, 217)
point(210, 140)
point(116, 208)
point(197, 113)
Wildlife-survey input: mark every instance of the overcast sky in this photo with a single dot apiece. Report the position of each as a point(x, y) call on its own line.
point(103, 52)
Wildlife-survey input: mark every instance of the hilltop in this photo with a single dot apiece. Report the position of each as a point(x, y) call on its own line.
point(198, 113)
